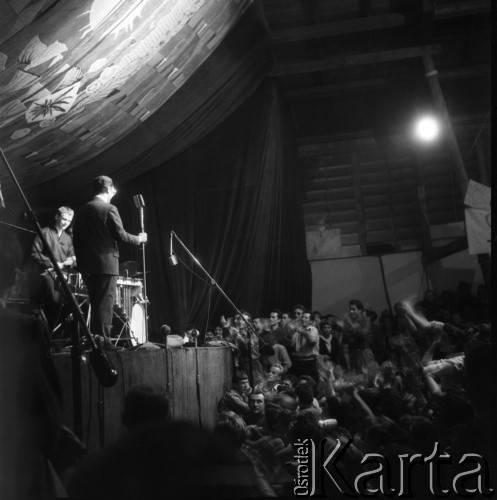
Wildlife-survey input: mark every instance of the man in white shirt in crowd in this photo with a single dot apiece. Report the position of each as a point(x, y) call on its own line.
point(306, 341)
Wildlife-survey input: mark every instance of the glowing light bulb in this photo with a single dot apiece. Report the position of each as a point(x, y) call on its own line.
point(427, 128)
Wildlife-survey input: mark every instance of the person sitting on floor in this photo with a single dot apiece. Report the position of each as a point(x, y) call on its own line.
point(270, 383)
point(256, 404)
point(306, 400)
point(249, 476)
point(236, 399)
point(288, 382)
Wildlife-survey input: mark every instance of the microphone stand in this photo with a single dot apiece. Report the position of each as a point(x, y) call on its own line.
point(250, 327)
point(104, 370)
point(17, 227)
point(197, 379)
point(138, 199)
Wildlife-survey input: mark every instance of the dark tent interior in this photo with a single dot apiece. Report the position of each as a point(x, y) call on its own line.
point(275, 138)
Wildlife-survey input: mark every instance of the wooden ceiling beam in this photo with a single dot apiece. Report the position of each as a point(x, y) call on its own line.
point(376, 83)
point(336, 88)
point(346, 61)
point(464, 8)
point(359, 25)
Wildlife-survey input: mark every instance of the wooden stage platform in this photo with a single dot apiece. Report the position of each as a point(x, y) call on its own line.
point(172, 368)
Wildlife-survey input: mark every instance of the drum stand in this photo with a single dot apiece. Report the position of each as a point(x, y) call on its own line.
point(125, 325)
point(61, 318)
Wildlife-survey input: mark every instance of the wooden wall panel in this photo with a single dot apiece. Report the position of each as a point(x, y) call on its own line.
point(372, 193)
point(176, 374)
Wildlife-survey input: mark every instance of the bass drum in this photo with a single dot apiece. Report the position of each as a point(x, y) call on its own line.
point(137, 324)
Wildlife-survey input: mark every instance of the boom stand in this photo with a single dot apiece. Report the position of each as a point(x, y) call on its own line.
point(197, 382)
point(104, 370)
point(250, 327)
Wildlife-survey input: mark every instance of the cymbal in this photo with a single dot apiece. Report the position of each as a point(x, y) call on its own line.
point(128, 268)
point(139, 273)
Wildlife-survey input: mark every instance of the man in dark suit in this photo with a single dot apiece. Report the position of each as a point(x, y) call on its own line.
point(97, 229)
point(328, 343)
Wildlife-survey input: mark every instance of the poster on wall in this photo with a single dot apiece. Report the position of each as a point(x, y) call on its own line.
point(324, 244)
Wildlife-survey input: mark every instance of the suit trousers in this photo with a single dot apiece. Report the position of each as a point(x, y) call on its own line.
point(102, 296)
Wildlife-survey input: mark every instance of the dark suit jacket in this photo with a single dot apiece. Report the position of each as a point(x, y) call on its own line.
point(336, 352)
point(97, 229)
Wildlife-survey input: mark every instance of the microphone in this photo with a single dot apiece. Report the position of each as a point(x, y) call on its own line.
point(139, 204)
point(194, 333)
point(172, 258)
point(138, 201)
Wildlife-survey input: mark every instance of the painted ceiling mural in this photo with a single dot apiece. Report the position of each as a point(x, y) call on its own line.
point(77, 76)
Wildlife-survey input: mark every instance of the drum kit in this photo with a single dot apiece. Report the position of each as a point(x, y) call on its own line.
point(129, 325)
point(130, 304)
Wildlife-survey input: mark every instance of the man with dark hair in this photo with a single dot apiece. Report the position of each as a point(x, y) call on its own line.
point(256, 404)
point(356, 307)
point(329, 346)
point(298, 311)
point(282, 335)
point(306, 340)
point(275, 322)
point(237, 398)
point(286, 317)
point(97, 230)
point(356, 333)
point(306, 398)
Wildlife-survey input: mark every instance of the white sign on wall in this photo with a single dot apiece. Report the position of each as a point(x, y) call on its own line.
point(478, 217)
point(477, 195)
point(478, 224)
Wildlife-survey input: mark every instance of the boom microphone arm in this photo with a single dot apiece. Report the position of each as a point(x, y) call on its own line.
point(104, 371)
point(250, 326)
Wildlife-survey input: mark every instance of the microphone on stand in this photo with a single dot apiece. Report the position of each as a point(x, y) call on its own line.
point(139, 204)
point(172, 258)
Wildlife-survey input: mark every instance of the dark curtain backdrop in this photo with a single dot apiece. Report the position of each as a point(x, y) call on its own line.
point(234, 200)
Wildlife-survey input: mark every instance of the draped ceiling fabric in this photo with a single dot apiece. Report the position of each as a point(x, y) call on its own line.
point(76, 77)
point(233, 199)
point(226, 79)
point(207, 143)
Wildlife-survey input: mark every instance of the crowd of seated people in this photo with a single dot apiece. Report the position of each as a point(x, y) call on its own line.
point(413, 382)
